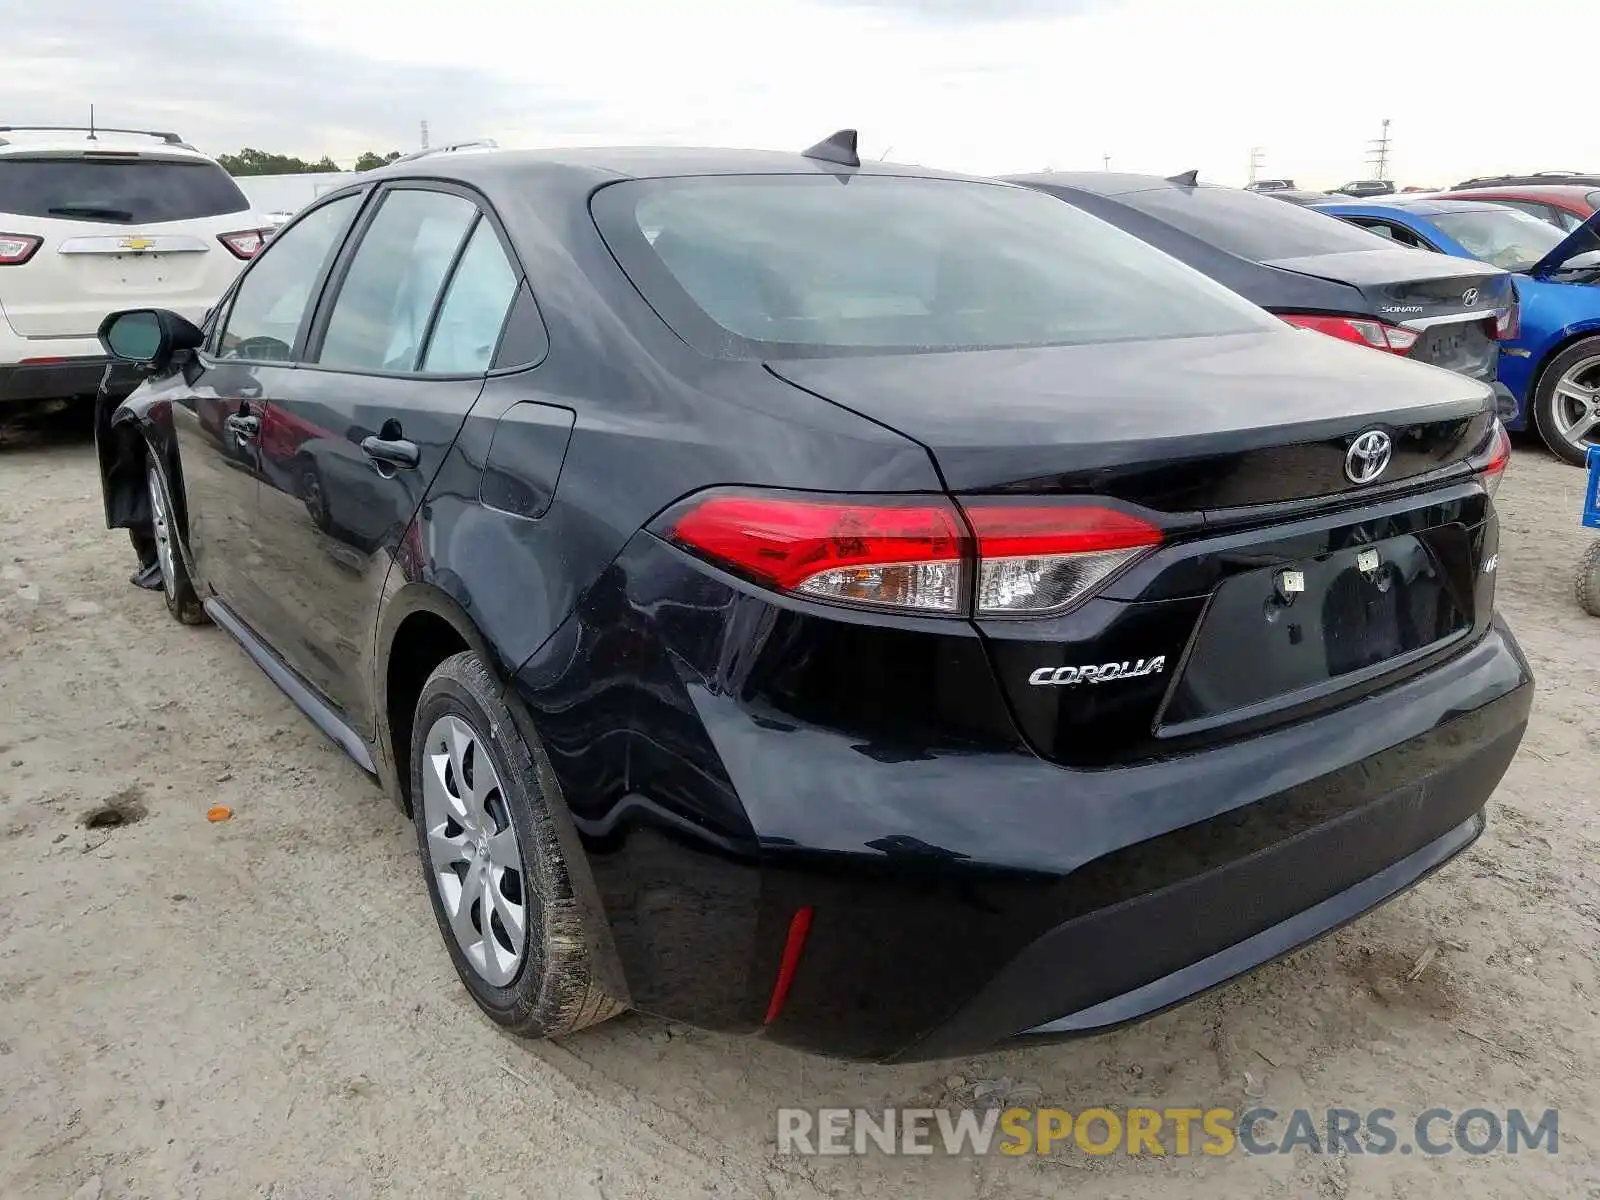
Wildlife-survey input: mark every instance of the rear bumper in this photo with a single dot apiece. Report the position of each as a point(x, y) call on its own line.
point(965, 893)
point(50, 380)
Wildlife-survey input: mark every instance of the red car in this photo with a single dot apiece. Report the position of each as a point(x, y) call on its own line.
point(1564, 205)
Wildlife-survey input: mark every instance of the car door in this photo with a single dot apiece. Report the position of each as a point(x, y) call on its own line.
point(217, 417)
point(398, 353)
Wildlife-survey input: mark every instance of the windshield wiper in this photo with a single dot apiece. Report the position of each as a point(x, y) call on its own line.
point(90, 211)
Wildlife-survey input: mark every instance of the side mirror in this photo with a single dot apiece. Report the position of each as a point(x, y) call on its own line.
point(149, 337)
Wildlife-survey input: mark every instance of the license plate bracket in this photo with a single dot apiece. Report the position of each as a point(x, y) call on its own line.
point(1273, 633)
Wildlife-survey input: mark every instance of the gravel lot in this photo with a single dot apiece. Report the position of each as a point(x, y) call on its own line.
point(262, 1007)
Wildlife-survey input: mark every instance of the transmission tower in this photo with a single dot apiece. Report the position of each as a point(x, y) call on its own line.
point(1378, 153)
point(1258, 158)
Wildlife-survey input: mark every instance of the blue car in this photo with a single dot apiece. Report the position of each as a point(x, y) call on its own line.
point(1551, 364)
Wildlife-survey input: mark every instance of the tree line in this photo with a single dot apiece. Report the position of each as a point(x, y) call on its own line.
point(259, 162)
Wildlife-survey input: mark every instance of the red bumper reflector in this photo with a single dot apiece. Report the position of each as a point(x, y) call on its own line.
point(799, 927)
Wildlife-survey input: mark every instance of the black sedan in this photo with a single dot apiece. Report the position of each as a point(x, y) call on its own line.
point(886, 612)
point(1312, 272)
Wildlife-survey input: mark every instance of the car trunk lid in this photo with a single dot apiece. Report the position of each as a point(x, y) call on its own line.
point(1452, 304)
point(1178, 425)
point(1283, 581)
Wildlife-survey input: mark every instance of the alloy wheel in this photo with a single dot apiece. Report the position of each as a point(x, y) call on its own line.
point(473, 850)
point(1576, 407)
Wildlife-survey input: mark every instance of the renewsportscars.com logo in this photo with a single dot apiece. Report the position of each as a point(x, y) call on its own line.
point(1178, 1132)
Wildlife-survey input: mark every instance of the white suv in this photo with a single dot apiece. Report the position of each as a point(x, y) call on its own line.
point(93, 221)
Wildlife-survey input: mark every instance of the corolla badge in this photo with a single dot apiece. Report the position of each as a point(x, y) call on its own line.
point(1368, 456)
point(1469, 297)
point(1104, 673)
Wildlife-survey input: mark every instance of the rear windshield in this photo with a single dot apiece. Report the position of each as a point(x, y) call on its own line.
point(124, 191)
point(1258, 228)
point(807, 265)
point(1503, 236)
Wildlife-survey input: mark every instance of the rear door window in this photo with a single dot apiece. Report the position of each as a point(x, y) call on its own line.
point(380, 317)
point(122, 190)
point(1254, 227)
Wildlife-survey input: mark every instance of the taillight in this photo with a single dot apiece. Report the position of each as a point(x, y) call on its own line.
point(901, 553)
point(915, 553)
point(1491, 461)
point(1508, 323)
point(17, 248)
point(1377, 334)
point(246, 243)
point(1035, 559)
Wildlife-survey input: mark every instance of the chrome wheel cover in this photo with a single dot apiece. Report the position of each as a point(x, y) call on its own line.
point(473, 853)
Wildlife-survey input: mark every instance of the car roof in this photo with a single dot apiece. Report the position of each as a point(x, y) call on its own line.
point(1422, 206)
point(491, 166)
point(22, 140)
point(1554, 192)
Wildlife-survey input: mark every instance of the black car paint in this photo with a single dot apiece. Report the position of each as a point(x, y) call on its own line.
point(726, 755)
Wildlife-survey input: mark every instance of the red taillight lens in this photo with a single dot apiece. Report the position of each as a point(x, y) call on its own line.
point(904, 553)
point(1508, 323)
point(1376, 334)
point(914, 553)
point(17, 248)
point(1492, 460)
point(1035, 559)
point(246, 243)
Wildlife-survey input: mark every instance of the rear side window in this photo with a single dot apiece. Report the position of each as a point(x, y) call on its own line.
point(467, 329)
point(115, 189)
point(808, 265)
point(1258, 228)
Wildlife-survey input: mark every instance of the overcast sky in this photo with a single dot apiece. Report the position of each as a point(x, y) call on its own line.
point(1471, 86)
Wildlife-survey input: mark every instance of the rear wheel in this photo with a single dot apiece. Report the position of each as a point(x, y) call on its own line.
point(182, 602)
point(1566, 409)
point(496, 876)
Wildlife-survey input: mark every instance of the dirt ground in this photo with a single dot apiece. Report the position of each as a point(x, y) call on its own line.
point(262, 1007)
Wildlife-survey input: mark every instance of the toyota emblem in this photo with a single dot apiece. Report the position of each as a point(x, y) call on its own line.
point(1368, 456)
point(1469, 297)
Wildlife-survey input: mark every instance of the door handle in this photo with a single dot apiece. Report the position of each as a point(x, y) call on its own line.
point(392, 452)
point(243, 425)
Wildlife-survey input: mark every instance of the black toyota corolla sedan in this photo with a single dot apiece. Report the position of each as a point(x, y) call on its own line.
point(881, 611)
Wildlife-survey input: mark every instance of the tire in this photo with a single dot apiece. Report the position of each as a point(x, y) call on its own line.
point(176, 586)
point(1559, 401)
point(540, 984)
point(1588, 588)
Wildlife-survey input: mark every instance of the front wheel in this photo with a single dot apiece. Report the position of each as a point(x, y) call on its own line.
point(491, 857)
point(1566, 408)
point(182, 602)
